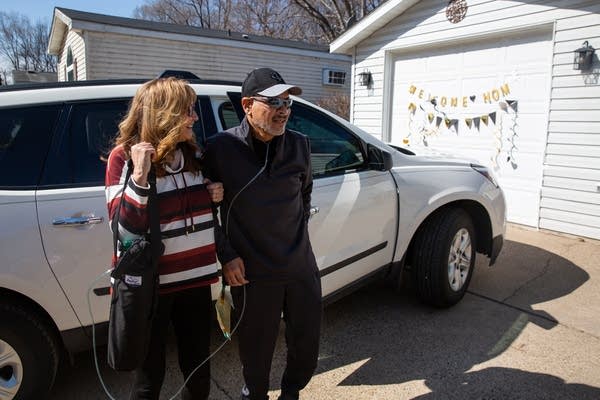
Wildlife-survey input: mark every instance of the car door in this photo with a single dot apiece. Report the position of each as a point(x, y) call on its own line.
point(353, 226)
point(72, 207)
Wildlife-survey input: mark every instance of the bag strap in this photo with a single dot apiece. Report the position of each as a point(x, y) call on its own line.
point(155, 237)
point(152, 215)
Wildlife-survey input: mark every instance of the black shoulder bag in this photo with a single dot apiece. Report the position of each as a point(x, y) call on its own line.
point(135, 284)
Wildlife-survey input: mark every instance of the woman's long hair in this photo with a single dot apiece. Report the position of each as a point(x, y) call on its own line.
point(157, 115)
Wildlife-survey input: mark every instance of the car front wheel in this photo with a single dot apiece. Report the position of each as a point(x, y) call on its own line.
point(444, 257)
point(29, 354)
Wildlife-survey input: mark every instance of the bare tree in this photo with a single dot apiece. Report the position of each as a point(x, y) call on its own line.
point(209, 14)
point(334, 17)
point(24, 43)
point(314, 21)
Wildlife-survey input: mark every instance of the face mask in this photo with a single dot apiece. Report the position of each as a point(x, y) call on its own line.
point(223, 306)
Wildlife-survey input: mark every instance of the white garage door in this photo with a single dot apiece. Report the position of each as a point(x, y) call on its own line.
point(504, 81)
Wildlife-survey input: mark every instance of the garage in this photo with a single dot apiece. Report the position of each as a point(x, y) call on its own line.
point(474, 80)
point(502, 83)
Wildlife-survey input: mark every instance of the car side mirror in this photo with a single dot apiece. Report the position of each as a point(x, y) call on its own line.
point(379, 159)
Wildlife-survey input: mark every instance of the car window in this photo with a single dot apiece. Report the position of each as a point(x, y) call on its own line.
point(78, 154)
point(334, 150)
point(208, 125)
point(25, 135)
point(91, 134)
point(227, 115)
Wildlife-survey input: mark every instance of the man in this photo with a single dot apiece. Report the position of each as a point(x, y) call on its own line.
point(266, 173)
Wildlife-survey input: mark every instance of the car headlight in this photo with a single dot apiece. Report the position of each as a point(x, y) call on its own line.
point(485, 171)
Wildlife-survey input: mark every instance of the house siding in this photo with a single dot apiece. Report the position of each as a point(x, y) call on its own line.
point(111, 56)
point(570, 188)
point(75, 40)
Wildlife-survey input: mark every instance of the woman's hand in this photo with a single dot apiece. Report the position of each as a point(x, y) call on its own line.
point(235, 272)
point(141, 156)
point(215, 190)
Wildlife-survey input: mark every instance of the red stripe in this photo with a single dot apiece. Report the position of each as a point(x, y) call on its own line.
point(180, 217)
point(187, 260)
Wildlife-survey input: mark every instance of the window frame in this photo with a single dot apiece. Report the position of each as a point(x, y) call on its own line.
point(329, 77)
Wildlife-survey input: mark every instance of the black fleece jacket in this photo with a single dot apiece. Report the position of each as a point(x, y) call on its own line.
point(266, 221)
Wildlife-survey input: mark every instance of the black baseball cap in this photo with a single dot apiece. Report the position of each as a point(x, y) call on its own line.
point(267, 82)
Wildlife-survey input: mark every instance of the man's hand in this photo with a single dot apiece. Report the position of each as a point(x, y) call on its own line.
point(215, 190)
point(235, 272)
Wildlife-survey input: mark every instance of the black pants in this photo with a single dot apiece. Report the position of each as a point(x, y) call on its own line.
point(189, 311)
point(300, 302)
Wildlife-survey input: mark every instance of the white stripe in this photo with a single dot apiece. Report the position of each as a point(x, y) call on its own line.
point(189, 274)
point(133, 195)
point(180, 223)
point(113, 192)
point(187, 242)
point(166, 183)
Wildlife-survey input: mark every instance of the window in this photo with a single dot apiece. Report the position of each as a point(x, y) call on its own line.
point(25, 135)
point(70, 67)
point(334, 77)
point(228, 116)
point(334, 150)
point(79, 154)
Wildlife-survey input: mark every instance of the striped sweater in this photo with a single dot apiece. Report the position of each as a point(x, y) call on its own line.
point(186, 222)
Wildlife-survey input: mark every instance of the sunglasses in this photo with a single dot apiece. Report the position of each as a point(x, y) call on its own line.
point(275, 102)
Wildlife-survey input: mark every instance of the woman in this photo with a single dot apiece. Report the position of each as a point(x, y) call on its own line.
point(157, 133)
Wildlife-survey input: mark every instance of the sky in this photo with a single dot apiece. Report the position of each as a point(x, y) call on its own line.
point(43, 9)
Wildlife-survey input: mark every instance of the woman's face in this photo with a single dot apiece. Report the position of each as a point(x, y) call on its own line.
point(187, 132)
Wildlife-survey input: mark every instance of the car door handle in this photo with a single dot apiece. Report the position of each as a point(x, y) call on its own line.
point(313, 211)
point(77, 221)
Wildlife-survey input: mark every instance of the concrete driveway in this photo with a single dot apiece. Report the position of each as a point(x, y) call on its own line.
point(529, 328)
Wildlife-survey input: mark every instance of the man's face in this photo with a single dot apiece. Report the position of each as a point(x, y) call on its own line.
point(264, 115)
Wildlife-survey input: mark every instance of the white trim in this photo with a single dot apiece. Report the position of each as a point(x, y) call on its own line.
point(369, 25)
point(388, 85)
point(352, 86)
point(548, 107)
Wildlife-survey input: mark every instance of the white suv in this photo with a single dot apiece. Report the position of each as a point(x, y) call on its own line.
point(376, 210)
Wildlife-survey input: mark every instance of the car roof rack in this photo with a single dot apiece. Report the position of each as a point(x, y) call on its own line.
point(189, 76)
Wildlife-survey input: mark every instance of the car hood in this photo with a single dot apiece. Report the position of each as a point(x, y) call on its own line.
point(424, 156)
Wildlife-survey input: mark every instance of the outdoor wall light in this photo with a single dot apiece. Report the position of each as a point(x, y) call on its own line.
point(365, 78)
point(584, 57)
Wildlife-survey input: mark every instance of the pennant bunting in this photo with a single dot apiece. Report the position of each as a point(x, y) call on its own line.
point(469, 122)
point(484, 119)
point(476, 122)
point(513, 104)
point(412, 107)
point(448, 122)
point(430, 117)
point(493, 117)
point(438, 121)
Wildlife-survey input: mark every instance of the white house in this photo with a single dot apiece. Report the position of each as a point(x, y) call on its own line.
point(506, 91)
point(96, 46)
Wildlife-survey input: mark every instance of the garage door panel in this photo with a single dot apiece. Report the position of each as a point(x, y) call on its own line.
point(474, 69)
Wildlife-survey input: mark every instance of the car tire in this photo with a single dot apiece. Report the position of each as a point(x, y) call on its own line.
point(29, 354)
point(444, 258)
